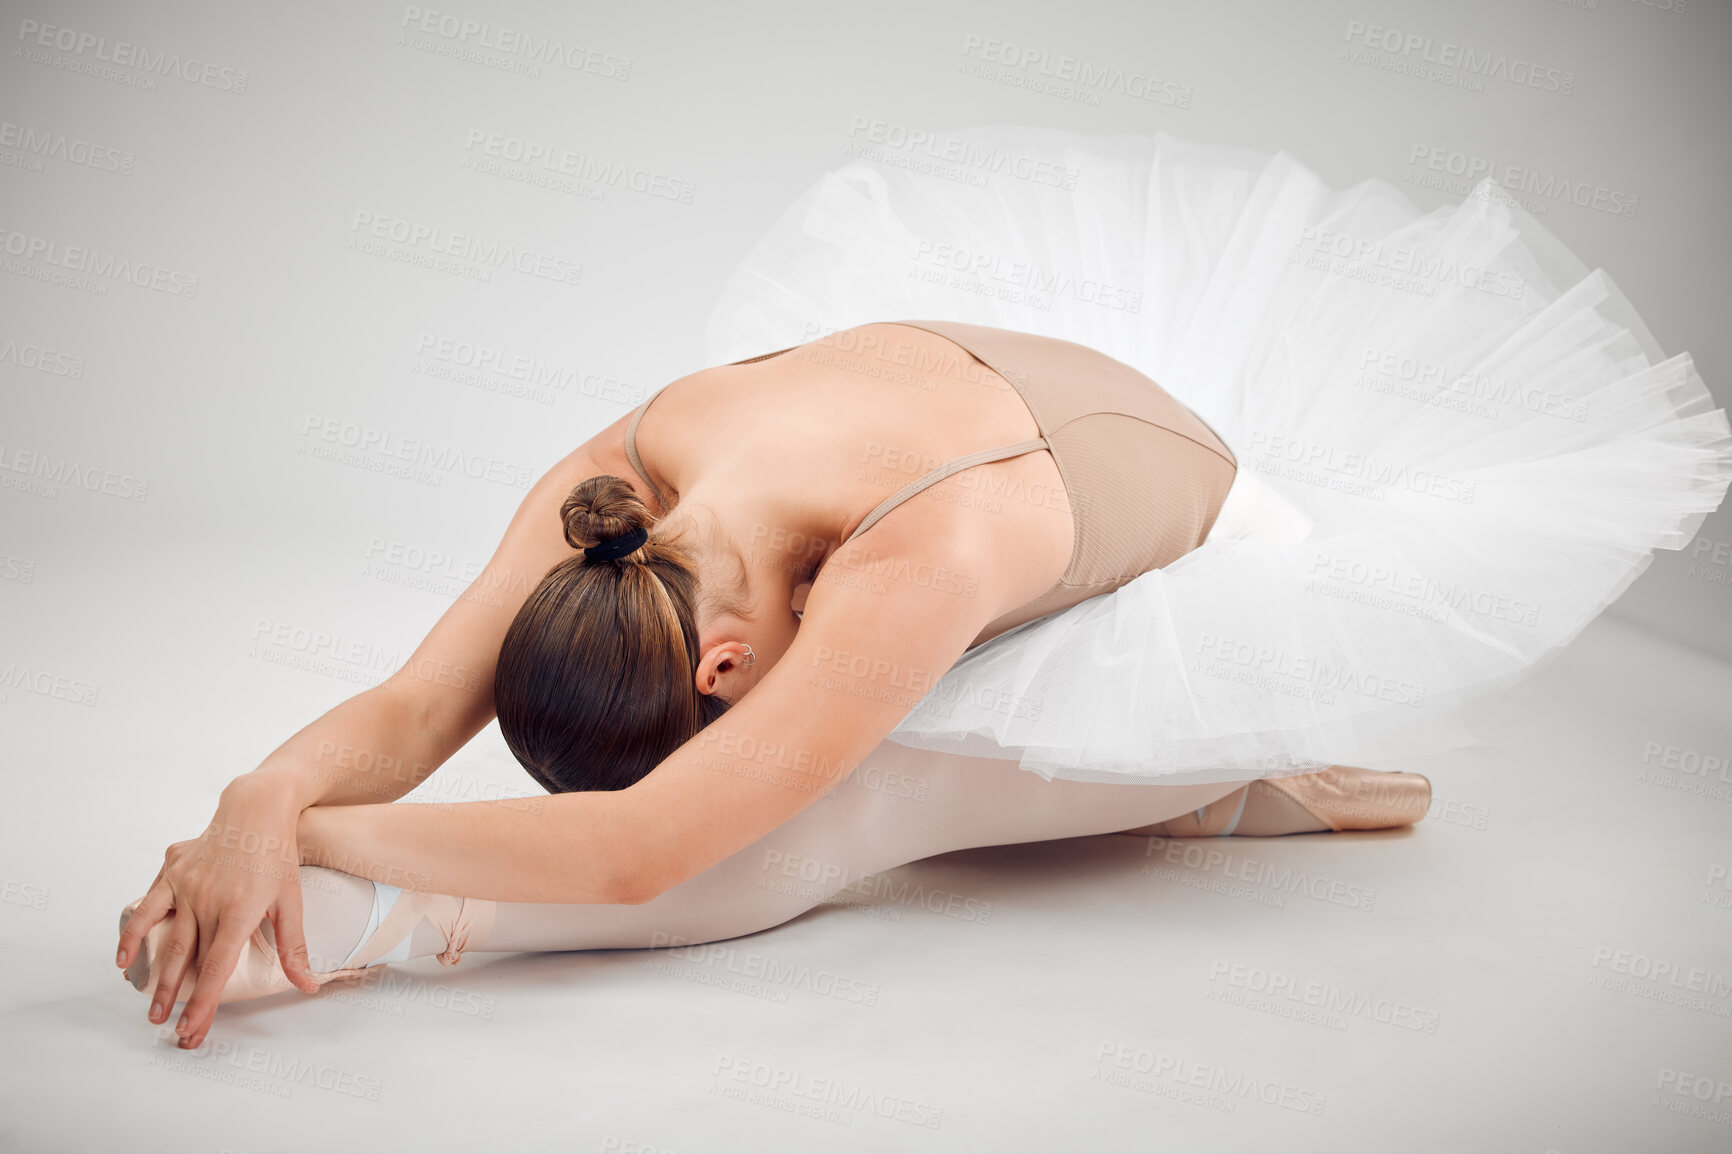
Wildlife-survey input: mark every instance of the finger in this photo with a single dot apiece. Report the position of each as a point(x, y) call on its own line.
point(216, 962)
point(179, 945)
point(152, 908)
point(292, 940)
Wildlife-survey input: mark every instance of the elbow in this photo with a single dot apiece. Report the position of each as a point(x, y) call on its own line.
point(648, 859)
point(637, 890)
point(643, 883)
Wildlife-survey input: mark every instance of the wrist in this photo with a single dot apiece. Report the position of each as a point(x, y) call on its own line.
point(310, 834)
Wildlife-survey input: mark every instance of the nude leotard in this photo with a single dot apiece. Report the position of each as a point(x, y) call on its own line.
point(1145, 476)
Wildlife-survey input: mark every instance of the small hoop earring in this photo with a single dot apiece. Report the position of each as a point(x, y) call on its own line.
point(750, 658)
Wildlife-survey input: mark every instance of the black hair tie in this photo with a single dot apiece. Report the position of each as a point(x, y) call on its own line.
point(618, 547)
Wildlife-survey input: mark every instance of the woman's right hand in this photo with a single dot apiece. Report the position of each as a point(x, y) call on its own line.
point(220, 886)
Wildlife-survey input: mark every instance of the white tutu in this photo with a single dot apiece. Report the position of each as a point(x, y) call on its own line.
point(1456, 444)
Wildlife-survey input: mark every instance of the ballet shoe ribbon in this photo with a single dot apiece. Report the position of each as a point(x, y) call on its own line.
point(463, 921)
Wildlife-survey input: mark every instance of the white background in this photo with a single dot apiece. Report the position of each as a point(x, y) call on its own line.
point(159, 617)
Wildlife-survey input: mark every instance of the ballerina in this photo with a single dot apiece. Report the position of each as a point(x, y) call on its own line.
point(1183, 604)
point(686, 685)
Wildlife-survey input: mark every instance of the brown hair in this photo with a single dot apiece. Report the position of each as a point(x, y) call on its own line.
point(595, 682)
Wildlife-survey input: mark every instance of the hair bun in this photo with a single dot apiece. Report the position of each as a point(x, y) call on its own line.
point(601, 509)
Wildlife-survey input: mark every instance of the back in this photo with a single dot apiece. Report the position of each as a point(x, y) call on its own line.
point(1145, 476)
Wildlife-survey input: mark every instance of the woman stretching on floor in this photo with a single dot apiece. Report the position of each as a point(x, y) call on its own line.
point(697, 633)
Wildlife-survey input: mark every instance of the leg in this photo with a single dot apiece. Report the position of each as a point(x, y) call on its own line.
point(1255, 809)
point(904, 804)
point(899, 806)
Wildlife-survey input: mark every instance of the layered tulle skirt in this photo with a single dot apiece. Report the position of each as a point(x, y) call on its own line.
point(1457, 444)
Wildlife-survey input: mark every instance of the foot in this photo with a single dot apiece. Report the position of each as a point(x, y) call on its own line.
point(1349, 798)
point(257, 971)
point(1331, 800)
point(460, 922)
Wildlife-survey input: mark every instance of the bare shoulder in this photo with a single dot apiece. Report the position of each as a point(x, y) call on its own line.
point(931, 556)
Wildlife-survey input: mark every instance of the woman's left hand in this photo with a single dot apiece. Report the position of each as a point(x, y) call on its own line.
point(218, 887)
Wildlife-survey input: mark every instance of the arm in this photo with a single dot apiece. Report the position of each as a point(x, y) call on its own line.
point(375, 746)
point(384, 741)
point(866, 651)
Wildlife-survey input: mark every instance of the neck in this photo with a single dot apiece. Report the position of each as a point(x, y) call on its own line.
point(744, 552)
point(733, 560)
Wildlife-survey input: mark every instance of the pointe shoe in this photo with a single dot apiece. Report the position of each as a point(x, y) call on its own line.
point(258, 972)
point(1338, 798)
point(1217, 819)
point(1346, 798)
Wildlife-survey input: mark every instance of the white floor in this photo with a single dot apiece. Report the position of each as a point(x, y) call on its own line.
point(1544, 964)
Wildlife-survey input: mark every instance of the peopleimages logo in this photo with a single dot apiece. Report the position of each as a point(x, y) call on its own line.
point(1026, 274)
point(387, 447)
point(14, 676)
point(28, 355)
point(125, 54)
point(800, 1086)
point(105, 266)
point(1663, 971)
point(40, 143)
point(1367, 469)
point(1266, 660)
point(515, 373)
point(368, 228)
point(963, 152)
point(1120, 1059)
point(515, 42)
point(1399, 266)
point(1469, 168)
point(1418, 589)
point(754, 965)
point(555, 160)
point(1448, 54)
point(279, 1072)
point(1285, 993)
point(1072, 76)
point(1278, 878)
point(42, 473)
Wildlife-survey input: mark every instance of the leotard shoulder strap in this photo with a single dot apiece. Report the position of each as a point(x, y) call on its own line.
point(636, 461)
point(982, 457)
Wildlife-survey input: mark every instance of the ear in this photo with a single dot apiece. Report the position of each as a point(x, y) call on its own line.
point(717, 665)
